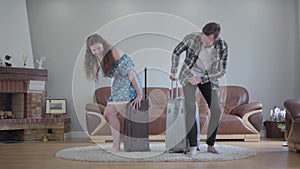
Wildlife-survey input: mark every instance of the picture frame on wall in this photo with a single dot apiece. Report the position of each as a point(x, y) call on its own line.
point(56, 106)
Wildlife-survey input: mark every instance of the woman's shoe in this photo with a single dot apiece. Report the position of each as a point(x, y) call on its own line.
point(191, 155)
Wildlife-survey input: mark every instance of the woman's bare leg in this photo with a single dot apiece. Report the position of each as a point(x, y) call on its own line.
point(110, 114)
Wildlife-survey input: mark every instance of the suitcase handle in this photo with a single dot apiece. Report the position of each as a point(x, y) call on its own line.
point(145, 89)
point(176, 88)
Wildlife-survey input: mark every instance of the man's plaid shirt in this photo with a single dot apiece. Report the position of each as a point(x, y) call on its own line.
point(192, 45)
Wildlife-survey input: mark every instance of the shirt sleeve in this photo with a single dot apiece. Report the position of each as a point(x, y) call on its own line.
point(126, 65)
point(182, 46)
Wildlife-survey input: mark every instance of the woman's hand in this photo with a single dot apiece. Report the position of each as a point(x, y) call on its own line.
point(136, 103)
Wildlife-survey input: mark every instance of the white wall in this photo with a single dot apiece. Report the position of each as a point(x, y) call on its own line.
point(14, 32)
point(262, 37)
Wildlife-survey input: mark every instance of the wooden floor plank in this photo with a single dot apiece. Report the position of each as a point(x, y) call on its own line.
point(37, 155)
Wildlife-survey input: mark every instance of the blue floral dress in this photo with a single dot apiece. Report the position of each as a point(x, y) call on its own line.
point(122, 88)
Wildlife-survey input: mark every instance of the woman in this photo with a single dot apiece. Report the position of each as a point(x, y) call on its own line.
point(102, 57)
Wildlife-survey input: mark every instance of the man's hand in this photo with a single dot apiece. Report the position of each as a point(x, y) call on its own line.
point(172, 77)
point(194, 80)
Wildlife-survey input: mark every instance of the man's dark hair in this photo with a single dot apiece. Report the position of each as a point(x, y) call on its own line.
point(212, 28)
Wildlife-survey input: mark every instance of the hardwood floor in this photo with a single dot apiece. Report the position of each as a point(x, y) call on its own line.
point(40, 155)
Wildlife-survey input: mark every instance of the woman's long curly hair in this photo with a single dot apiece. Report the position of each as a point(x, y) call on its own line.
point(91, 61)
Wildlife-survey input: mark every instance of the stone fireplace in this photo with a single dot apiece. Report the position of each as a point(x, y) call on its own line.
point(21, 99)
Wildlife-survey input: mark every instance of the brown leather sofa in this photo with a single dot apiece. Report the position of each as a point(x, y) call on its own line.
point(292, 121)
point(240, 119)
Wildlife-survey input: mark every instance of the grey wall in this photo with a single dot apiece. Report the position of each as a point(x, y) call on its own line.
point(14, 32)
point(297, 61)
point(262, 38)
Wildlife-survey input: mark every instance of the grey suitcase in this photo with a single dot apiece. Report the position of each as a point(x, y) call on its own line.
point(136, 126)
point(176, 124)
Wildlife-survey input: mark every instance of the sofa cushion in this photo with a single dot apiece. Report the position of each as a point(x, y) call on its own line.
point(231, 124)
point(102, 94)
point(230, 97)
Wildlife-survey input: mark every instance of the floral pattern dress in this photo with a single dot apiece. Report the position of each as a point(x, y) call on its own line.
point(122, 89)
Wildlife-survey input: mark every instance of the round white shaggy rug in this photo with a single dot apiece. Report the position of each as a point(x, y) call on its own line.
point(98, 153)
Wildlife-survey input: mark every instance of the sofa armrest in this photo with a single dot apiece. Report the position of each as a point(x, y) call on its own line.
point(246, 108)
point(94, 107)
point(94, 117)
point(251, 115)
point(293, 108)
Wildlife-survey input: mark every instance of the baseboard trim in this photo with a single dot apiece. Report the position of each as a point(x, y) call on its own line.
point(263, 133)
point(84, 135)
point(76, 135)
point(245, 137)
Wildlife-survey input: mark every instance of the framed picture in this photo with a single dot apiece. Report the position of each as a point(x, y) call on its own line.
point(56, 106)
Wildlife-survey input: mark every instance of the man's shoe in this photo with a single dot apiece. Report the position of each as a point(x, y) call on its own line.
point(212, 149)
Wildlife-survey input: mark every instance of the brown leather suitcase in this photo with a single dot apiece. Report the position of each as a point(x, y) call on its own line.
point(136, 126)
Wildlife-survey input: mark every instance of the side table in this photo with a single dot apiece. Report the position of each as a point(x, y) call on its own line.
point(273, 130)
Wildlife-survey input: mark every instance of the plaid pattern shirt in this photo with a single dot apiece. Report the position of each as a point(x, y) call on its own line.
point(192, 45)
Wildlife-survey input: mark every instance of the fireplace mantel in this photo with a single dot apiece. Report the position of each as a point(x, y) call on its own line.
point(15, 73)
